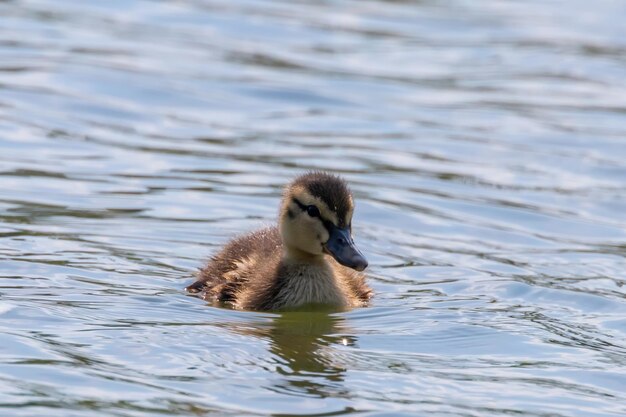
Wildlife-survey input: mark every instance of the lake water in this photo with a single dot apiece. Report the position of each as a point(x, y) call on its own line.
point(485, 142)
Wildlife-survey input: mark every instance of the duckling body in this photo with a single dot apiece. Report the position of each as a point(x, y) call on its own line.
point(309, 258)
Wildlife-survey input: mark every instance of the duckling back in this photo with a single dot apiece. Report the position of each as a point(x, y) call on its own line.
point(253, 255)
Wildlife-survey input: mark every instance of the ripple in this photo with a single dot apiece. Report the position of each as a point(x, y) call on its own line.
point(484, 146)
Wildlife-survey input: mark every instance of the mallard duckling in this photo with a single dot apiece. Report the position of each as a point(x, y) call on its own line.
point(309, 258)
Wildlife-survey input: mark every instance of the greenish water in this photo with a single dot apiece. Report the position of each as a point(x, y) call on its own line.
point(485, 142)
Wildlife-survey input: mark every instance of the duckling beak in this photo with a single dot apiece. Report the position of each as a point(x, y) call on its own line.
point(341, 247)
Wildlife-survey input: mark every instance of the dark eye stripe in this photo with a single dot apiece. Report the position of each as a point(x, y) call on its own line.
point(311, 210)
point(327, 223)
point(302, 206)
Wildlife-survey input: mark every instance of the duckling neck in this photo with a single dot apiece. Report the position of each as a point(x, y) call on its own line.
point(293, 255)
point(308, 278)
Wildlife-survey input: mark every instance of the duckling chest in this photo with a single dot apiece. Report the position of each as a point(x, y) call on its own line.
point(306, 285)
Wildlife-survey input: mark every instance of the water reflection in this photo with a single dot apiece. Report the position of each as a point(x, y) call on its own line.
point(301, 340)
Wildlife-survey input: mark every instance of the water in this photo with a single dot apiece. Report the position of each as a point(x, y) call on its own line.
point(485, 144)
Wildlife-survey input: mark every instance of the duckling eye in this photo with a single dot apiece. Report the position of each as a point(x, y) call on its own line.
point(313, 211)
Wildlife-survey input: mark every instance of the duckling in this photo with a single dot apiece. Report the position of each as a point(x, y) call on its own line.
point(308, 258)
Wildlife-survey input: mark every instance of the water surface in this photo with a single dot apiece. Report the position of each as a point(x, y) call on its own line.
point(484, 142)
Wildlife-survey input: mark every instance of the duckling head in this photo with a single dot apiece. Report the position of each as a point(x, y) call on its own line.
point(316, 218)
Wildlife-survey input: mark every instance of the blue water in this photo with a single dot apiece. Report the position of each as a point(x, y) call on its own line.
point(485, 145)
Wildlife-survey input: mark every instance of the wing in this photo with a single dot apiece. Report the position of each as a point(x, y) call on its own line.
point(231, 268)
